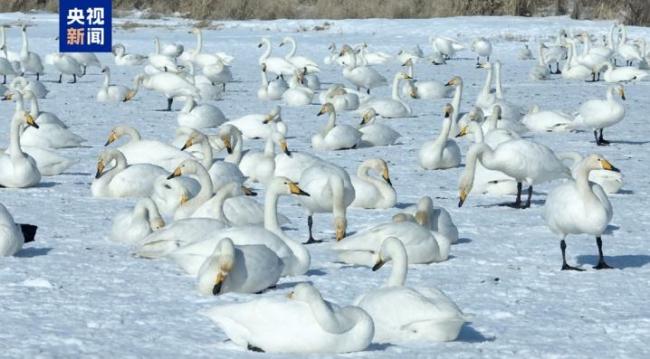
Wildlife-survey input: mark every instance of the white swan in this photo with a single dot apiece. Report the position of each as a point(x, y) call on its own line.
point(29, 61)
point(13, 235)
point(334, 137)
point(541, 70)
point(422, 89)
point(436, 219)
point(132, 225)
point(331, 191)
point(422, 245)
point(524, 160)
point(374, 58)
point(270, 90)
point(525, 53)
point(114, 93)
point(292, 164)
point(200, 115)
point(124, 59)
point(260, 166)
point(628, 49)
point(51, 135)
point(6, 67)
point(393, 106)
point(303, 323)
point(176, 235)
point(22, 84)
point(371, 192)
point(208, 89)
point(404, 314)
point(168, 194)
point(610, 181)
point(297, 94)
point(299, 61)
point(276, 65)
point(456, 83)
point(446, 46)
point(260, 125)
point(169, 84)
point(482, 47)
point(230, 268)
point(137, 151)
point(201, 58)
point(40, 117)
point(547, 121)
point(86, 59)
point(579, 206)
point(443, 152)
point(572, 70)
point(67, 65)
point(623, 74)
point(599, 114)
point(361, 76)
point(486, 98)
point(18, 169)
point(376, 134)
point(123, 180)
point(343, 99)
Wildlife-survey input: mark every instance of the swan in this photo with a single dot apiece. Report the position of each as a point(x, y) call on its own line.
point(218, 72)
point(572, 70)
point(85, 59)
point(443, 152)
point(446, 46)
point(21, 84)
point(541, 70)
point(508, 110)
point(169, 84)
point(114, 93)
point(40, 117)
point(404, 314)
point(276, 65)
point(208, 89)
point(334, 137)
point(213, 207)
point(67, 65)
point(12, 56)
point(592, 58)
point(628, 50)
point(168, 194)
point(161, 61)
point(124, 59)
point(496, 121)
point(390, 107)
point(123, 180)
point(599, 114)
point(524, 160)
point(361, 76)
point(292, 164)
point(610, 181)
point(297, 94)
point(371, 192)
point(413, 54)
point(51, 135)
point(486, 98)
point(191, 167)
point(422, 89)
point(376, 134)
point(132, 225)
point(547, 121)
point(200, 58)
point(18, 169)
point(48, 162)
point(231, 268)
point(373, 58)
point(13, 235)
point(168, 49)
point(302, 323)
point(343, 99)
point(422, 245)
point(260, 125)
point(623, 74)
point(200, 116)
point(270, 91)
point(436, 219)
point(331, 191)
point(29, 61)
point(482, 47)
point(298, 61)
point(525, 53)
point(6, 67)
point(260, 166)
point(139, 151)
point(578, 206)
point(456, 83)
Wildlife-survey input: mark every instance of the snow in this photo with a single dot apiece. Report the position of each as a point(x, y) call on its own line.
point(73, 293)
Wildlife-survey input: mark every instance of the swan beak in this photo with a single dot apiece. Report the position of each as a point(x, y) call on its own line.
point(284, 148)
point(184, 199)
point(622, 92)
point(281, 44)
point(386, 177)
point(227, 144)
point(248, 192)
point(100, 169)
point(187, 144)
point(176, 173)
point(267, 119)
point(111, 138)
point(322, 111)
point(290, 295)
point(606, 165)
point(463, 196)
point(463, 131)
point(260, 45)
point(30, 121)
point(8, 97)
point(294, 189)
point(216, 289)
point(380, 262)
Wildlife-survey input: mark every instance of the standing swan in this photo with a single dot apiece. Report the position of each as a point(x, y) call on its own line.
point(443, 152)
point(598, 114)
point(276, 65)
point(404, 314)
point(29, 61)
point(579, 206)
point(302, 323)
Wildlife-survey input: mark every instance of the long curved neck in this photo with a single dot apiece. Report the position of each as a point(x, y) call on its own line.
point(189, 105)
point(291, 52)
point(107, 78)
point(409, 70)
point(271, 213)
point(156, 43)
point(488, 82)
point(265, 79)
point(3, 37)
point(397, 276)
point(120, 162)
point(267, 51)
point(455, 102)
point(25, 49)
point(199, 41)
point(499, 89)
point(338, 197)
point(206, 152)
point(477, 131)
point(132, 133)
point(269, 146)
point(581, 175)
point(235, 156)
point(444, 132)
point(206, 191)
point(326, 318)
point(331, 122)
point(34, 109)
point(477, 151)
point(14, 136)
point(220, 198)
point(395, 89)
point(492, 121)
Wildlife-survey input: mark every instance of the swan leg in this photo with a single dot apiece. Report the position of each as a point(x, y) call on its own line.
point(565, 266)
point(477, 60)
point(310, 223)
point(38, 76)
point(518, 200)
point(60, 77)
point(557, 68)
point(169, 104)
point(530, 195)
point(4, 81)
point(601, 259)
point(84, 70)
point(74, 79)
point(601, 141)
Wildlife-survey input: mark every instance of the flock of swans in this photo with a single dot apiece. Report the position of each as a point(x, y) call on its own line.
point(198, 208)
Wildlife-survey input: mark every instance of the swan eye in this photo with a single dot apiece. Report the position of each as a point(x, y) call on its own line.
point(168, 186)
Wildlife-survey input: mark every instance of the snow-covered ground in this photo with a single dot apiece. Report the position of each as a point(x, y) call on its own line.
point(73, 293)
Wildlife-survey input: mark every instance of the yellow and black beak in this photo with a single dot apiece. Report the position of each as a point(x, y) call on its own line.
point(184, 199)
point(248, 191)
point(176, 173)
point(8, 97)
point(228, 144)
point(606, 165)
point(260, 45)
point(622, 91)
point(216, 289)
point(463, 132)
point(380, 263)
point(189, 143)
point(322, 111)
point(463, 196)
point(449, 83)
point(111, 138)
point(267, 119)
point(100, 169)
point(30, 121)
point(294, 189)
point(386, 177)
point(285, 148)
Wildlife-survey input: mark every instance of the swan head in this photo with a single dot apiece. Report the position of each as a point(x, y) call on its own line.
point(104, 158)
point(188, 166)
point(285, 40)
point(464, 188)
point(285, 186)
point(106, 69)
point(264, 40)
point(378, 165)
point(304, 292)
point(29, 120)
point(389, 248)
point(220, 265)
point(598, 162)
point(408, 62)
point(447, 110)
point(455, 81)
point(193, 139)
point(156, 223)
point(403, 217)
point(368, 116)
point(486, 65)
point(282, 142)
point(620, 90)
point(326, 108)
point(340, 226)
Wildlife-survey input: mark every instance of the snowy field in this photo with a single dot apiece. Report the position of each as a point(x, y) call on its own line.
point(73, 293)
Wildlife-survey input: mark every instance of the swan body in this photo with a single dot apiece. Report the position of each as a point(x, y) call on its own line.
point(334, 137)
point(547, 121)
point(443, 152)
point(123, 180)
point(22, 84)
point(200, 116)
point(623, 74)
point(18, 169)
point(260, 125)
point(260, 166)
point(169, 85)
point(541, 70)
point(302, 323)
point(86, 59)
point(276, 65)
point(178, 234)
point(293, 164)
point(525, 53)
point(361, 76)
point(124, 59)
point(376, 134)
point(29, 61)
point(113, 93)
point(343, 99)
point(270, 90)
point(13, 235)
point(482, 48)
point(391, 107)
point(599, 114)
point(403, 314)
point(51, 136)
point(610, 181)
point(299, 62)
point(48, 162)
point(446, 46)
point(67, 65)
point(297, 94)
point(436, 219)
point(427, 90)
point(371, 192)
point(132, 225)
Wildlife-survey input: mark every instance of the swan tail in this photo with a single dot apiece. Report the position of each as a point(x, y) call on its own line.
point(29, 232)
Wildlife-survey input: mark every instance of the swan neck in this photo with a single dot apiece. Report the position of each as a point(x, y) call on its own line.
point(14, 137)
point(25, 49)
point(444, 132)
point(199, 41)
point(206, 152)
point(488, 82)
point(325, 317)
point(271, 212)
point(267, 51)
point(206, 188)
point(477, 151)
point(477, 130)
point(156, 43)
point(269, 146)
point(265, 79)
point(338, 197)
point(499, 89)
point(398, 272)
point(107, 79)
point(291, 52)
point(395, 89)
point(456, 101)
point(409, 70)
